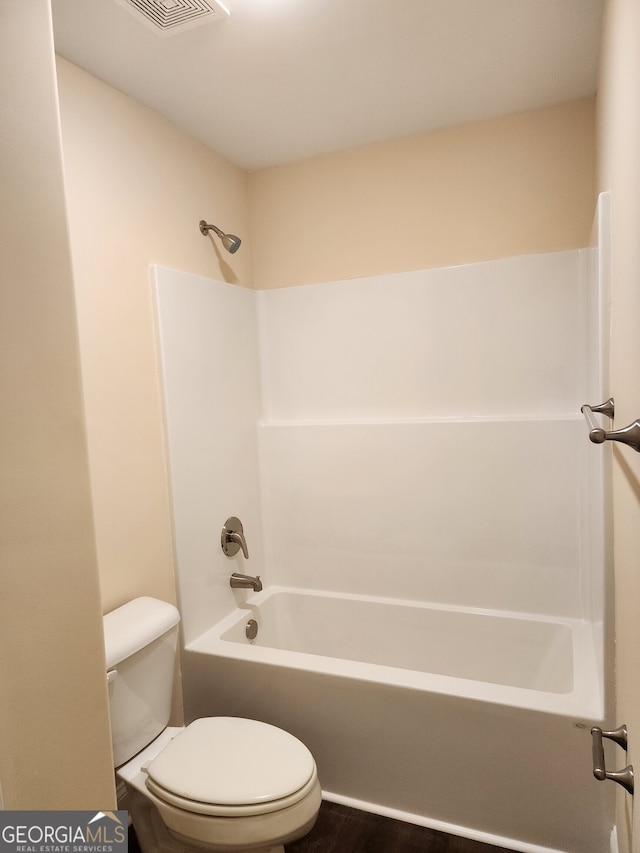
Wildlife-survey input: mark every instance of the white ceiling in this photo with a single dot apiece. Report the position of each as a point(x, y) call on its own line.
point(281, 80)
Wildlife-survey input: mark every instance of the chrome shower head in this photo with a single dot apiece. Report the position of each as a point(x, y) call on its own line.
point(229, 241)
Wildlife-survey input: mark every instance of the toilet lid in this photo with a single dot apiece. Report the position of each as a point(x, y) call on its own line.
point(232, 761)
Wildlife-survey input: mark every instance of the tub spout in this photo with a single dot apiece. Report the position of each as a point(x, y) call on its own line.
point(238, 581)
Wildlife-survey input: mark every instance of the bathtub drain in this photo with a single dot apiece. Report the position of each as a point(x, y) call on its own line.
point(251, 630)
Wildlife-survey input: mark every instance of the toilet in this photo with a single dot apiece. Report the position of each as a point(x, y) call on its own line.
point(223, 784)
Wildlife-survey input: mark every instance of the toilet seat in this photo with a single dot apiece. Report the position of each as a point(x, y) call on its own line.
point(230, 766)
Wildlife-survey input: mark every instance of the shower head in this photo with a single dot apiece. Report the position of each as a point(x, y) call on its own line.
point(229, 241)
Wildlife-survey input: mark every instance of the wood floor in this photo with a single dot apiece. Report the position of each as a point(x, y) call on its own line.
point(343, 830)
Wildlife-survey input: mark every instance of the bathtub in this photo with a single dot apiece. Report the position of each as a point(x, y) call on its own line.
point(472, 722)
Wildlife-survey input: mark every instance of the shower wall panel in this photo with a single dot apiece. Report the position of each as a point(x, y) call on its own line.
point(208, 349)
point(480, 514)
point(422, 437)
point(497, 339)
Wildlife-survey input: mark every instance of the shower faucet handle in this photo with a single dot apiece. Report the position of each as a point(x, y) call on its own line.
point(232, 538)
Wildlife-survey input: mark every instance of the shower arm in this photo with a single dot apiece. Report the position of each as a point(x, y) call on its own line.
point(205, 227)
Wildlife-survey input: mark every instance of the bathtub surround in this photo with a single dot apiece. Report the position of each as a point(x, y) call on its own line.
point(211, 431)
point(371, 435)
point(357, 468)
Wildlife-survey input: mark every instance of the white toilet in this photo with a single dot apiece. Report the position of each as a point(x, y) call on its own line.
point(221, 783)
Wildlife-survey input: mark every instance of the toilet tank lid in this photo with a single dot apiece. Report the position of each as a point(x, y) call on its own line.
point(133, 626)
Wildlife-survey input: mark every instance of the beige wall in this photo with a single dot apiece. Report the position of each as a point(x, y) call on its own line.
point(137, 188)
point(510, 186)
point(54, 737)
point(619, 171)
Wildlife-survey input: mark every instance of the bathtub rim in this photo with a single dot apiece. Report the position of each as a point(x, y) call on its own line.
point(585, 702)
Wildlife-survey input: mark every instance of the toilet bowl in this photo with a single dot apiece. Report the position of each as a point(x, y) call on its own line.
point(224, 784)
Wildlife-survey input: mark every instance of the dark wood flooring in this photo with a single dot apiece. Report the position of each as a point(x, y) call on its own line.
point(343, 830)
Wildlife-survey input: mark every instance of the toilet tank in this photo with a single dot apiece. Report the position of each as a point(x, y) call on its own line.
point(140, 646)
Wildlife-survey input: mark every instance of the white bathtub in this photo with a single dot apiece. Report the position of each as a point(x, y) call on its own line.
point(472, 722)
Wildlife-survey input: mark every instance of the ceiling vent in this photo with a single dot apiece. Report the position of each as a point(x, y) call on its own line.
point(169, 17)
